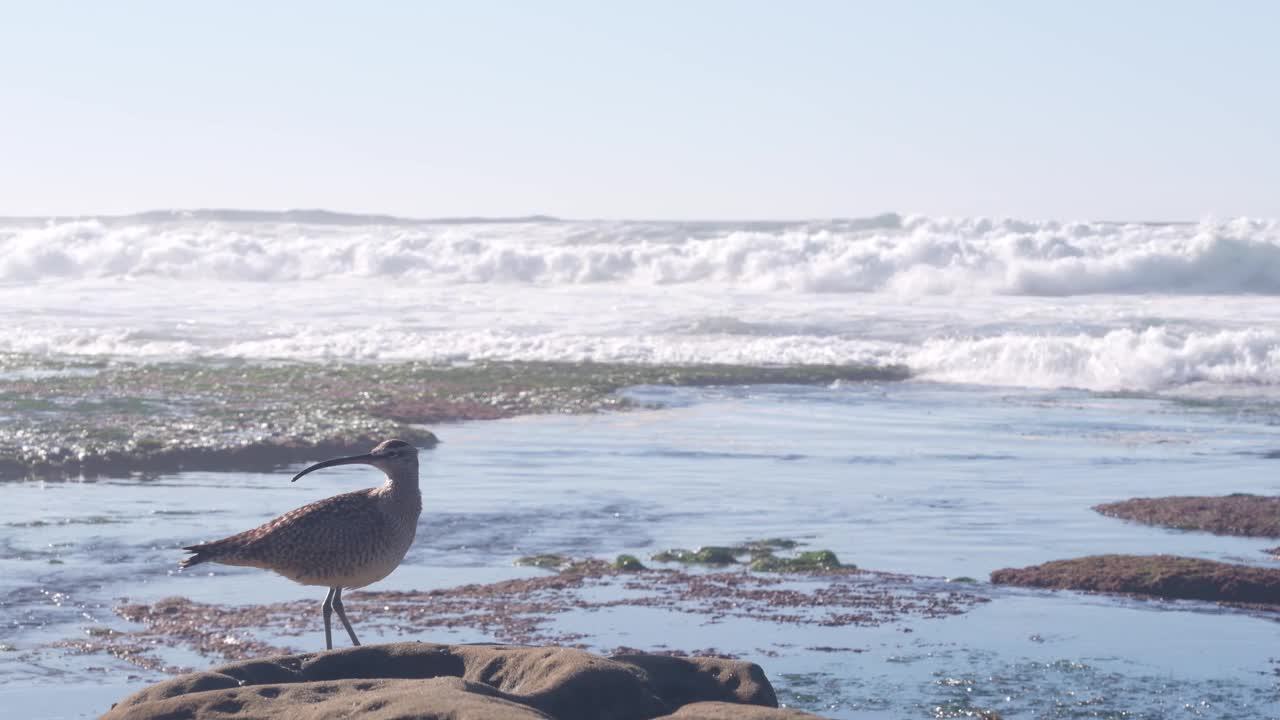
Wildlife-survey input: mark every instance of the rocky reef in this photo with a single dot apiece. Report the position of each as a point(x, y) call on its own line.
point(1238, 514)
point(1163, 576)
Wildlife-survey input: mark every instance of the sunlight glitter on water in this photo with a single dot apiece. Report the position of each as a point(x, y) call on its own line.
point(937, 480)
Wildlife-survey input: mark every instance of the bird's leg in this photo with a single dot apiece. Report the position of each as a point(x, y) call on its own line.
point(342, 615)
point(327, 609)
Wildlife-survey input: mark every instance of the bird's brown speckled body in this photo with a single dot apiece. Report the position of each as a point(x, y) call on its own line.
point(345, 541)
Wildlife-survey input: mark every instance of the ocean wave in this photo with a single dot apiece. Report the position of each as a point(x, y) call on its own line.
point(1152, 359)
point(1145, 360)
point(887, 254)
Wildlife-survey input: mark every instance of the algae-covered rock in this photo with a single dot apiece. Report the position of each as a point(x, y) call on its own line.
point(628, 563)
point(1238, 514)
point(768, 545)
point(757, 555)
point(548, 561)
point(1165, 576)
point(588, 566)
point(709, 555)
point(808, 561)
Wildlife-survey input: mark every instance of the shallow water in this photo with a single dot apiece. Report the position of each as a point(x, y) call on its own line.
point(938, 480)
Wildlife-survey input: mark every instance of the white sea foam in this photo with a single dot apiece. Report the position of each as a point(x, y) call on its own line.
point(1152, 359)
point(1101, 306)
point(910, 256)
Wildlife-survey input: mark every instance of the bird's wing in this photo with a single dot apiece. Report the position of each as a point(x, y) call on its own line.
point(308, 536)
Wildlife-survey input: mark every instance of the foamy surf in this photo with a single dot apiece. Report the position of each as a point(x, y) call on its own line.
point(1093, 305)
point(912, 255)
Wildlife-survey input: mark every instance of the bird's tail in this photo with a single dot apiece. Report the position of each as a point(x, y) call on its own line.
point(216, 551)
point(195, 559)
point(199, 554)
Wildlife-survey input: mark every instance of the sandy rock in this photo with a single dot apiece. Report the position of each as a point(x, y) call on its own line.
point(680, 681)
point(732, 711)
point(424, 680)
point(445, 697)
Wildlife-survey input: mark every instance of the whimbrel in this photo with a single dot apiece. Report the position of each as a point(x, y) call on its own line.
point(346, 541)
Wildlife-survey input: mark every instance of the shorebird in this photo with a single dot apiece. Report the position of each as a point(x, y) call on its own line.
point(346, 541)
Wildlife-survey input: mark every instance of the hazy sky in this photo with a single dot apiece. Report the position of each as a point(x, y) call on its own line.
point(1116, 110)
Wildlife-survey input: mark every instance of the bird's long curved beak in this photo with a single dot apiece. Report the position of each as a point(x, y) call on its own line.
point(366, 459)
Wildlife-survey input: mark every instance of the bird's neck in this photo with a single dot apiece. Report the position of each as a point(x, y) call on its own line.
point(403, 487)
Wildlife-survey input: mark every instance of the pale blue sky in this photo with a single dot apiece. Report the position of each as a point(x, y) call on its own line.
point(693, 109)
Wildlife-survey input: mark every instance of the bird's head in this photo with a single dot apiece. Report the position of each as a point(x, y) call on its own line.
point(396, 458)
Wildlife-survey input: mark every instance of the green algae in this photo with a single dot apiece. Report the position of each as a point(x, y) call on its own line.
point(671, 555)
point(770, 544)
point(757, 555)
point(589, 567)
point(566, 565)
point(710, 555)
point(547, 561)
point(628, 563)
point(808, 561)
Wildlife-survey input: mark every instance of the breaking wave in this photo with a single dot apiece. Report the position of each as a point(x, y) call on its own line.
point(1149, 360)
point(886, 254)
point(1092, 305)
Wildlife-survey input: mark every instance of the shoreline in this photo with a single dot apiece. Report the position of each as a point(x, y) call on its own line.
point(98, 417)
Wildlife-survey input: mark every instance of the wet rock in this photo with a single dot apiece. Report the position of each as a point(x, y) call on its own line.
point(628, 563)
point(808, 561)
point(758, 555)
point(425, 680)
point(769, 545)
point(709, 555)
point(729, 711)
point(1239, 514)
point(1165, 576)
point(547, 561)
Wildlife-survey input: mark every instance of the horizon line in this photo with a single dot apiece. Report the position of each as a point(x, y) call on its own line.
point(322, 216)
